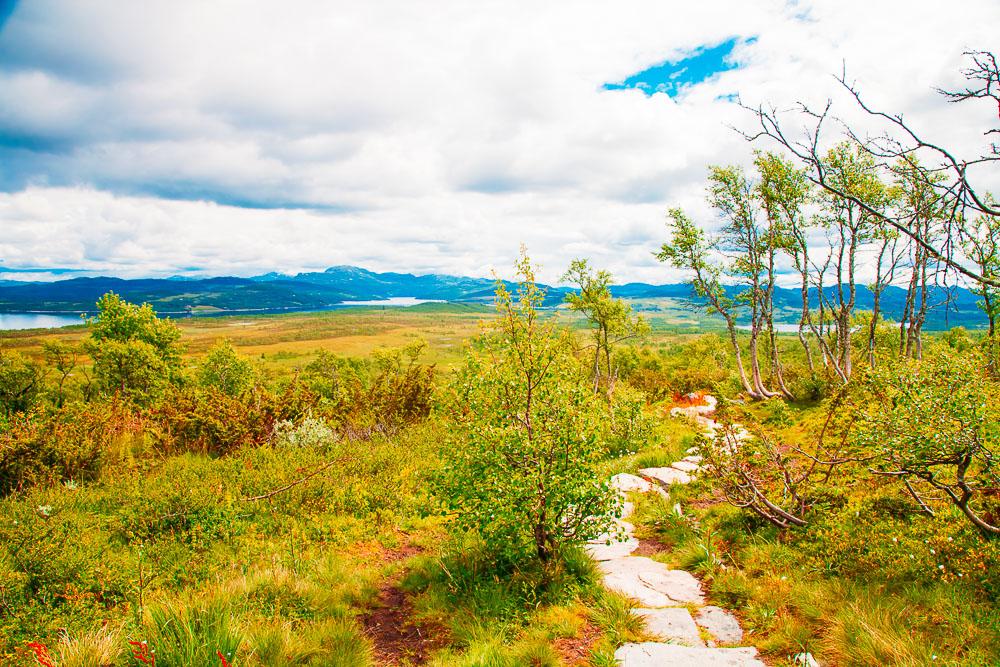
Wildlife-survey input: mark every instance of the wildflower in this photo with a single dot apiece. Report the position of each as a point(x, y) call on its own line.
point(143, 653)
point(45, 510)
point(70, 484)
point(940, 567)
point(41, 654)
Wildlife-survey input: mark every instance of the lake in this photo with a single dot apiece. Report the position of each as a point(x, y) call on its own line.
point(15, 321)
point(11, 321)
point(780, 327)
point(395, 301)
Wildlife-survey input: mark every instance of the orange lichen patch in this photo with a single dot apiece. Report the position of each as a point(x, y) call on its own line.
point(688, 400)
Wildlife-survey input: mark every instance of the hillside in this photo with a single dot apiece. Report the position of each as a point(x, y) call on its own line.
point(274, 292)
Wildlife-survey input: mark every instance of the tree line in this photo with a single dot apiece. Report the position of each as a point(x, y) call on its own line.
point(893, 209)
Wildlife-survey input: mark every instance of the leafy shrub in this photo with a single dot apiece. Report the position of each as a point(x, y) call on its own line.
point(776, 413)
point(71, 443)
point(936, 422)
point(628, 428)
point(401, 389)
point(135, 353)
point(20, 383)
point(694, 365)
point(521, 465)
point(310, 432)
point(380, 395)
point(213, 422)
point(226, 370)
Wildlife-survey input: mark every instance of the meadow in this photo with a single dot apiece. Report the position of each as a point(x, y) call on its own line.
point(290, 524)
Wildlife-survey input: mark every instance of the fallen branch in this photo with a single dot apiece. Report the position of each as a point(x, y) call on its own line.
point(280, 489)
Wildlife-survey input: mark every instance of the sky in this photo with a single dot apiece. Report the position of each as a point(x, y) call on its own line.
point(216, 137)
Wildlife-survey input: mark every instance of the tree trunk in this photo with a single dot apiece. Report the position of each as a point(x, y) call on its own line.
point(734, 341)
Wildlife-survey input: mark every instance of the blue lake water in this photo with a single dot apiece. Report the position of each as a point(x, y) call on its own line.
point(396, 301)
point(12, 321)
point(9, 321)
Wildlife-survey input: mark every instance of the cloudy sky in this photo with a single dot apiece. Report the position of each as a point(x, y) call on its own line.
point(165, 137)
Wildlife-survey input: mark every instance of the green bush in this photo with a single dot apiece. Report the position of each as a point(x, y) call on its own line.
point(210, 421)
point(72, 443)
point(224, 369)
point(520, 468)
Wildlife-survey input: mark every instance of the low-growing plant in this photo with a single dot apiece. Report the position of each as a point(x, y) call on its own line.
point(311, 432)
point(936, 423)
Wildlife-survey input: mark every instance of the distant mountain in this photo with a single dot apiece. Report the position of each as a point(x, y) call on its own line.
point(269, 292)
point(275, 292)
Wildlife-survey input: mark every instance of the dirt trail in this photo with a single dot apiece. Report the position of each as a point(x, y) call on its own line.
point(397, 640)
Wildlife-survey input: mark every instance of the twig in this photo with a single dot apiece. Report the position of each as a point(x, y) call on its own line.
point(280, 489)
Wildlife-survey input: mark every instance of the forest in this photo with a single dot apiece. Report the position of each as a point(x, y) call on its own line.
point(430, 486)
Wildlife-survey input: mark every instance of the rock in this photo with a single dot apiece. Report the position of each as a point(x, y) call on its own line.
point(721, 624)
point(627, 509)
point(650, 583)
point(625, 483)
point(616, 543)
point(610, 550)
point(690, 412)
point(805, 659)
point(672, 624)
point(652, 654)
point(693, 458)
point(667, 475)
point(685, 466)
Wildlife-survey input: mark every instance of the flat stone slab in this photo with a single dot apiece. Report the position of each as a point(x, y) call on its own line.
point(693, 458)
point(627, 509)
point(692, 411)
point(611, 544)
point(721, 624)
point(625, 482)
point(652, 654)
point(685, 466)
point(673, 624)
point(667, 475)
point(650, 583)
point(601, 551)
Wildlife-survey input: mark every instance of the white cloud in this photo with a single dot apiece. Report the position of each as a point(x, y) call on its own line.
point(428, 137)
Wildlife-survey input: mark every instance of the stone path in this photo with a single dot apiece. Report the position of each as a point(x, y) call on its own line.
point(667, 597)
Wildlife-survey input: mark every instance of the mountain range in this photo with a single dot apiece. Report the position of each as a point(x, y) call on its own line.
point(274, 292)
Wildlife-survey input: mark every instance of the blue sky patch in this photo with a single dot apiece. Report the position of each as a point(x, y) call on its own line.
point(672, 76)
point(6, 9)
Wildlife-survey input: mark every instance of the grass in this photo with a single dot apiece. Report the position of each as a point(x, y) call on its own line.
point(844, 589)
point(165, 549)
